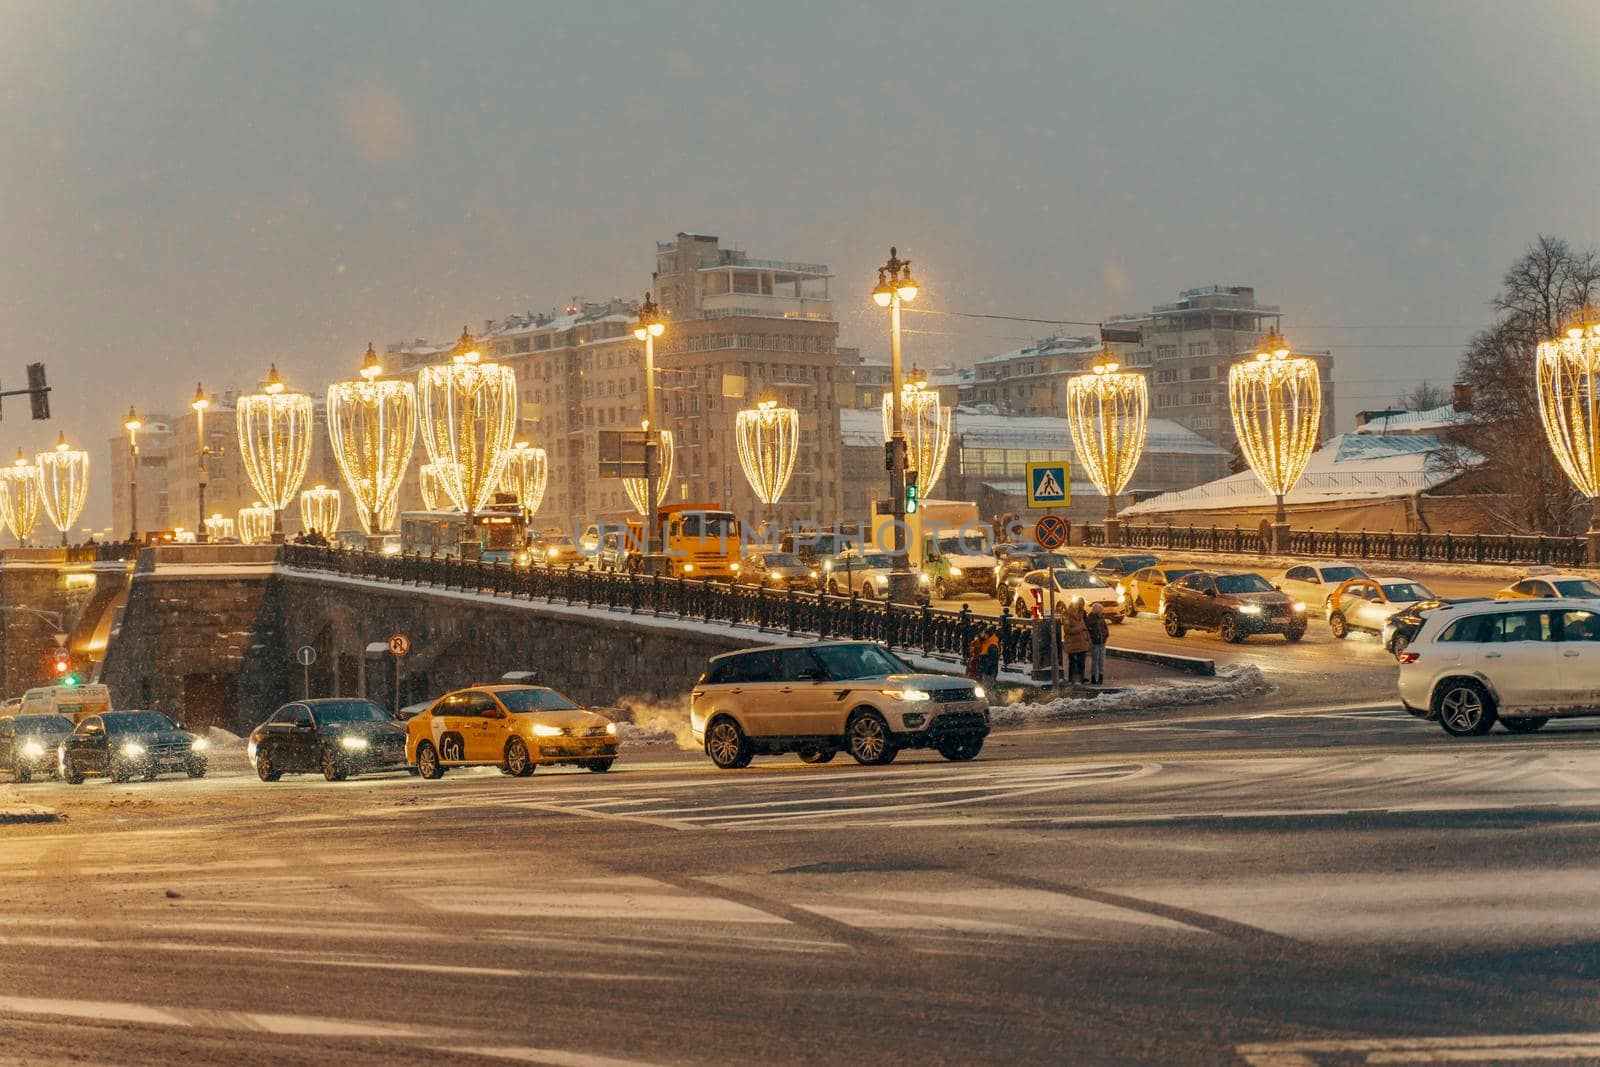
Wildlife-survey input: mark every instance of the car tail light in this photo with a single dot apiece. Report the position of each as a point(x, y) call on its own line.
point(1408, 657)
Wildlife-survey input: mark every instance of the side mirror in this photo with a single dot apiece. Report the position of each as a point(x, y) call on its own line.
point(1211, 592)
point(1279, 588)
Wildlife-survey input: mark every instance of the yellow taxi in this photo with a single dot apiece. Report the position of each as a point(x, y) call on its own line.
point(1549, 582)
point(513, 727)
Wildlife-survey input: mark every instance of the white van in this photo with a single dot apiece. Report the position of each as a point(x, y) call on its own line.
point(73, 701)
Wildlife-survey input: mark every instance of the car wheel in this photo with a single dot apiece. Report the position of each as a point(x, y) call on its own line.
point(120, 773)
point(195, 769)
point(1294, 633)
point(1133, 607)
point(600, 766)
point(333, 769)
point(150, 773)
point(867, 592)
point(1230, 630)
point(960, 749)
point(72, 775)
point(1171, 624)
point(726, 745)
point(833, 587)
point(868, 738)
point(1465, 708)
point(1524, 724)
point(817, 754)
point(428, 765)
point(19, 773)
point(1339, 627)
point(264, 768)
point(1398, 644)
point(518, 764)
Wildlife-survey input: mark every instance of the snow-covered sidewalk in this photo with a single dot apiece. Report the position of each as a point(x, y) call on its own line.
point(15, 808)
point(1231, 683)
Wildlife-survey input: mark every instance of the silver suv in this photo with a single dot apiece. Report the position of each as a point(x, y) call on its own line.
point(819, 698)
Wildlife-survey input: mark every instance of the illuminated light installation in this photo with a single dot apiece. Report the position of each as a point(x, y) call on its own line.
point(527, 475)
point(372, 425)
point(256, 524)
point(769, 441)
point(219, 527)
point(637, 489)
point(927, 429)
point(1276, 399)
point(431, 483)
point(19, 497)
point(63, 484)
point(1566, 377)
point(1108, 410)
point(319, 510)
point(469, 414)
point(275, 430)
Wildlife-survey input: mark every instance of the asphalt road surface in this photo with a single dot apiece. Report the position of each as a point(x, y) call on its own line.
point(1332, 885)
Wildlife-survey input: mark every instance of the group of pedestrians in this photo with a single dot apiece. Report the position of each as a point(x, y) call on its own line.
point(1081, 634)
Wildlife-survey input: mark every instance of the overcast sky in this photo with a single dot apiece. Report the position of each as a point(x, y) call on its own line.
point(189, 190)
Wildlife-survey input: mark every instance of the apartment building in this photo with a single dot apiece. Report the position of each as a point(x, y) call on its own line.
point(155, 512)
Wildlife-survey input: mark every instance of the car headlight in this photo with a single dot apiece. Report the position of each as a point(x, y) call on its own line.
point(133, 748)
point(552, 552)
point(1299, 606)
point(908, 696)
point(1250, 609)
point(543, 730)
point(1121, 595)
point(611, 728)
point(199, 744)
point(391, 550)
point(523, 557)
point(688, 567)
point(354, 744)
point(955, 572)
point(813, 574)
point(33, 750)
point(881, 579)
point(978, 693)
point(922, 579)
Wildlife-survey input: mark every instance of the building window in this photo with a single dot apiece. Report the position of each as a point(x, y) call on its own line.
point(1167, 374)
point(1166, 351)
point(1200, 374)
point(1199, 348)
point(1200, 399)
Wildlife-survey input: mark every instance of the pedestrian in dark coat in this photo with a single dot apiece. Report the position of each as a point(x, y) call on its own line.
point(1099, 634)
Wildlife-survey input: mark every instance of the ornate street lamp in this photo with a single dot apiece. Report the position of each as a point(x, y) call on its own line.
point(432, 484)
point(657, 442)
point(63, 484)
point(201, 450)
point(1276, 399)
point(132, 424)
point(319, 511)
point(895, 287)
point(20, 499)
point(638, 489)
point(1566, 370)
point(527, 475)
point(769, 441)
point(256, 524)
point(925, 428)
point(469, 414)
point(372, 425)
point(219, 526)
point(1108, 410)
point(275, 428)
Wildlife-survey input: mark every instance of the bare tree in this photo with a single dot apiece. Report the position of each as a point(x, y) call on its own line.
point(1425, 396)
point(1538, 295)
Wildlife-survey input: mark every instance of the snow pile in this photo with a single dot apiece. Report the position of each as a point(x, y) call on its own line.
point(1231, 683)
point(15, 809)
point(655, 724)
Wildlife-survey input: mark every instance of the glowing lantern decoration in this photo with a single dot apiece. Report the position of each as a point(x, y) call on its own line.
point(1276, 399)
point(527, 475)
point(469, 414)
point(635, 487)
point(1108, 411)
point(372, 425)
point(431, 482)
point(319, 510)
point(19, 497)
point(1566, 377)
point(219, 527)
point(769, 441)
point(63, 484)
point(927, 429)
point(275, 429)
point(256, 524)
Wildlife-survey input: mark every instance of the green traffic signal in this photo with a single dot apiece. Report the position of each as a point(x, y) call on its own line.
point(912, 499)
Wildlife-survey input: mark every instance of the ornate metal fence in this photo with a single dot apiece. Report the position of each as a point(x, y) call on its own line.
point(1364, 545)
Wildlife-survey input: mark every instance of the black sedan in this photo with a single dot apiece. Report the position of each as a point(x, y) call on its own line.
point(338, 736)
point(28, 744)
point(1402, 627)
point(127, 744)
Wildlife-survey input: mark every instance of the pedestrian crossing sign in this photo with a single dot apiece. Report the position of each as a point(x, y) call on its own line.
point(1049, 484)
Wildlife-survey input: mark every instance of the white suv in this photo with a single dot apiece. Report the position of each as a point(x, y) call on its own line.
point(1521, 662)
point(818, 698)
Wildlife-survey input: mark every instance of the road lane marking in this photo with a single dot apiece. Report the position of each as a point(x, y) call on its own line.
point(554, 1057)
point(207, 1019)
point(1489, 1048)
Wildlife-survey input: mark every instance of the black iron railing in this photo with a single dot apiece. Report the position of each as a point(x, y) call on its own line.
point(1364, 544)
point(924, 629)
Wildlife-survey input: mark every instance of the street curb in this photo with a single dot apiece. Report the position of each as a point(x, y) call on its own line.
point(1206, 668)
point(28, 815)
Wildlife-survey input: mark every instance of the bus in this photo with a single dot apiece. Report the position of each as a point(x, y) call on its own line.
point(499, 529)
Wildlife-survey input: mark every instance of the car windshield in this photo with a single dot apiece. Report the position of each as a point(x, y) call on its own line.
point(710, 524)
point(1577, 587)
point(1342, 574)
point(860, 661)
point(865, 561)
point(783, 559)
point(975, 543)
point(1129, 564)
point(349, 711)
point(43, 724)
point(1403, 592)
point(1066, 579)
point(136, 722)
point(534, 700)
point(1174, 573)
point(1053, 561)
point(1243, 583)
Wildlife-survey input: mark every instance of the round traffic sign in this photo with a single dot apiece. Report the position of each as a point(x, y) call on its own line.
point(305, 655)
point(1051, 531)
point(399, 644)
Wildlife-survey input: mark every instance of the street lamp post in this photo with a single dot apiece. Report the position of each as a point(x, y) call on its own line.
point(648, 329)
point(896, 286)
point(199, 404)
point(132, 425)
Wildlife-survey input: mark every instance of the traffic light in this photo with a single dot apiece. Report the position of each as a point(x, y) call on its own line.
point(38, 391)
point(913, 498)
